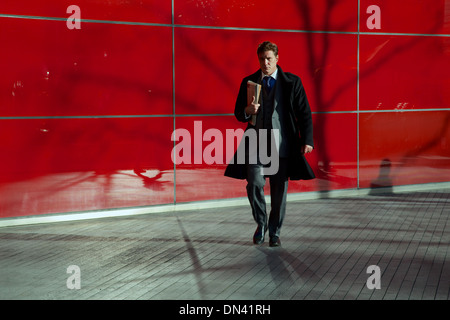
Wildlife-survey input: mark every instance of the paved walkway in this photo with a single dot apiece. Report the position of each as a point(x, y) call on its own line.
point(327, 248)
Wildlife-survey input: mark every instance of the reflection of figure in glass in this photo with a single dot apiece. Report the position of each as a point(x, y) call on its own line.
point(283, 106)
point(384, 180)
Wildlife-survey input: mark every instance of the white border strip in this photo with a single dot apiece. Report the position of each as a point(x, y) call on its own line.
point(222, 203)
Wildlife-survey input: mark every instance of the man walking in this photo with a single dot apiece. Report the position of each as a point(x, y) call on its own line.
point(283, 108)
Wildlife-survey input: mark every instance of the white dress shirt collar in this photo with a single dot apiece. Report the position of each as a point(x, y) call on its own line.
point(273, 75)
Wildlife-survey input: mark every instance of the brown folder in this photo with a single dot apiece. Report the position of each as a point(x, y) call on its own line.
point(253, 90)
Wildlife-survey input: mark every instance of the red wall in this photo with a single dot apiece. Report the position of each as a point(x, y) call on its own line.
point(82, 111)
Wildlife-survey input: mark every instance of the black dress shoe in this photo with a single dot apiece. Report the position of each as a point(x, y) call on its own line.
point(275, 242)
point(258, 237)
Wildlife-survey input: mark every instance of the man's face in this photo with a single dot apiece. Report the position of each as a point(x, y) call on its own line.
point(268, 62)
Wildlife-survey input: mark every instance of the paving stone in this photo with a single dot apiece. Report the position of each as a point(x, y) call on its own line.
point(327, 246)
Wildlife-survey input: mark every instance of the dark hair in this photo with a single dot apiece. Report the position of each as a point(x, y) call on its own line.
point(267, 46)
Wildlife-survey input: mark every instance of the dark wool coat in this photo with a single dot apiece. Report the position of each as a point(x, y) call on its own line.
point(298, 121)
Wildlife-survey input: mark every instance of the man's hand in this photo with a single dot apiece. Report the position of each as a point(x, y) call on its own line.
point(252, 108)
point(306, 149)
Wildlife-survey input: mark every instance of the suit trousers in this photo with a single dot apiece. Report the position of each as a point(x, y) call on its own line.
point(278, 193)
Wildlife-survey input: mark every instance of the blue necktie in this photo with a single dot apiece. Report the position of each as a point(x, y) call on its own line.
point(268, 83)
